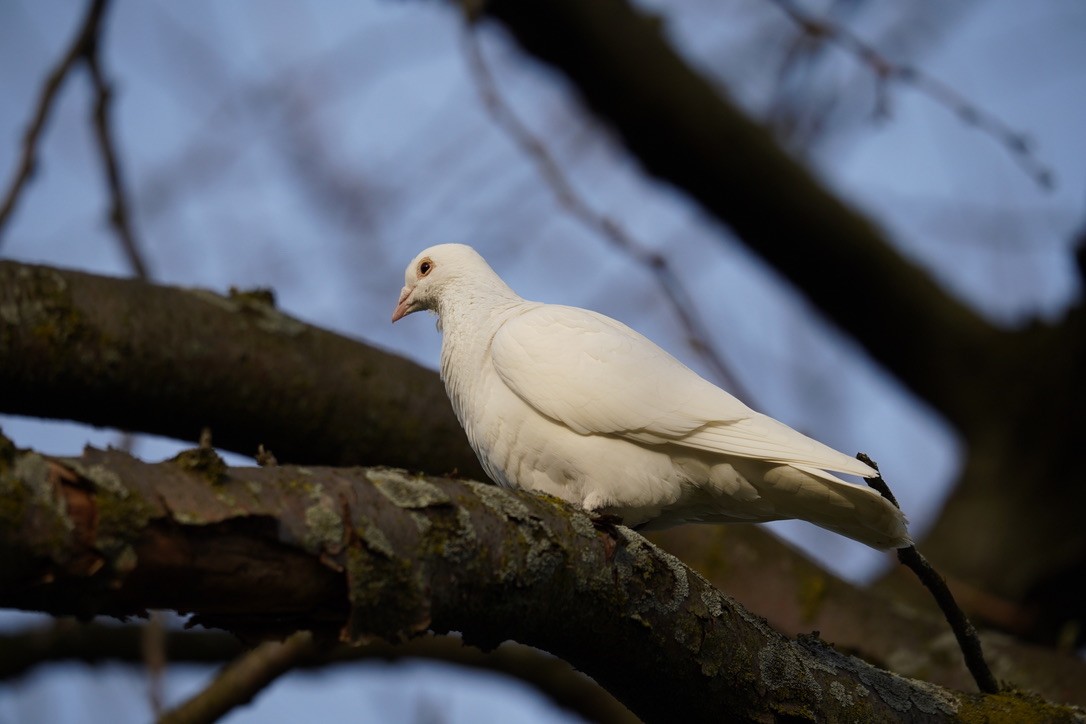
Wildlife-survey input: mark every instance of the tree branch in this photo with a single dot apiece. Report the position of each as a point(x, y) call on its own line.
point(117, 353)
point(797, 596)
point(243, 679)
point(119, 216)
point(362, 553)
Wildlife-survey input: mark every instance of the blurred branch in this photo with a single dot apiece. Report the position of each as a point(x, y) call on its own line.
point(367, 553)
point(682, 305)
point(886, 71)
point(83, 44)
point(84, 49)
point(117, 353)
point(243, 679)
point(68, 640)
point(119, 216)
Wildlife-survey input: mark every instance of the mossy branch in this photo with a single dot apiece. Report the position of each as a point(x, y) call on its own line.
point(363, 553)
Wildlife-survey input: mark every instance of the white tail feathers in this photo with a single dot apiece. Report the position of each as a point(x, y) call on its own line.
point(828, 502)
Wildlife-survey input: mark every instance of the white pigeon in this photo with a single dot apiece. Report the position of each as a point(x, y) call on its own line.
point(569, 402)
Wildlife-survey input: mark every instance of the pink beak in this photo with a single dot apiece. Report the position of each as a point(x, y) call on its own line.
point(402, 306)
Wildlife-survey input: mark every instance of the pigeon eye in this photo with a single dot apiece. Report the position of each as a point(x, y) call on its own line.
point(425, 266)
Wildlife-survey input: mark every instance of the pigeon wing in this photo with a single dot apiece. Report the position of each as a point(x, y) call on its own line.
point(599, 377)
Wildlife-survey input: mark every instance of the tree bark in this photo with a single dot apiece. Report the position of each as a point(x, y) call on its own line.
point(169, 361)
point(361, 553)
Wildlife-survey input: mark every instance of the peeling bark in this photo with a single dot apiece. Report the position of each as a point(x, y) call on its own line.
point(365, 553)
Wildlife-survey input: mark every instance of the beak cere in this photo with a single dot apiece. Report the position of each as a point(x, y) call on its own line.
point(403, 306)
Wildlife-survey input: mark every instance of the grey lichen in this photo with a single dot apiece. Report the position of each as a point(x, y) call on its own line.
point(373, 537)
point(406, 491)
point(782, 668)
point(324, 526)
point(582, 525)
point(713, 601)
point(500, 501)
point(645, 555)
point(897, 692)
point(422, 523)
point(102, 477)
point(462, 543)
point(33, 470)
point(840, 693)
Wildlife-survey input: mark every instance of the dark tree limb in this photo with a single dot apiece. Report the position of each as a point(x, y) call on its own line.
point(363, 553)
point(798, 596)
point(116, 353)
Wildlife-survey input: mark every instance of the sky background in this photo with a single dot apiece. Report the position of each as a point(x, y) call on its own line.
point(315, 148)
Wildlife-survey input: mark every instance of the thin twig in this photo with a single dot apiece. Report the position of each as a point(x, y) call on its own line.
point(963, 629)
point(243, 679)
point(85, 37)
point(119, 217)
point(1015, 142)
point(153, 651)
point(697, 334)
point(83, 49)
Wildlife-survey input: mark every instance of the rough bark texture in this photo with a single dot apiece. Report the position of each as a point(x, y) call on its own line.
point(365, 552)
point(170, 361)
point(1015, 395)
point(797, 596)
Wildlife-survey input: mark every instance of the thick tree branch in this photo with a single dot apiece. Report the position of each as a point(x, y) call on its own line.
point(362, 553)
point(118, 353)
point(686, 131)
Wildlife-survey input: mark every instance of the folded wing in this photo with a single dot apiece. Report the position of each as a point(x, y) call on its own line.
point(599, 377)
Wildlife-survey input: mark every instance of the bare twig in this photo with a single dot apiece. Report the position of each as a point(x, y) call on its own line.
point(153, 652)
point(85, 38)
point(963, 629)
point(885, 71)
point(119, 216)
point(243, 679)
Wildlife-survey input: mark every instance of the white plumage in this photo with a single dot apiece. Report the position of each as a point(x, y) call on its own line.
point(569, 402)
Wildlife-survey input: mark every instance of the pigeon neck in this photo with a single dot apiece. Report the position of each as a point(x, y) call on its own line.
point(476, 307)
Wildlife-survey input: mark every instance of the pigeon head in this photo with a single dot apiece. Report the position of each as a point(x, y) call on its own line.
point(442, 271)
